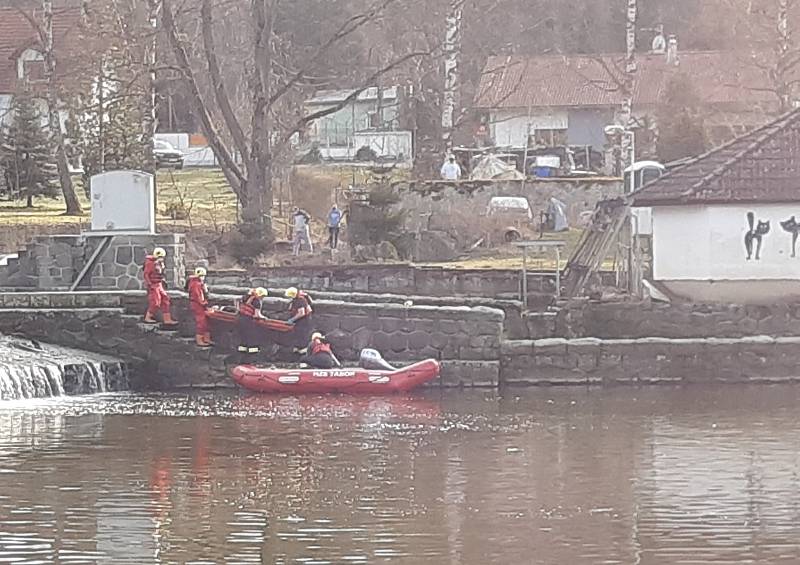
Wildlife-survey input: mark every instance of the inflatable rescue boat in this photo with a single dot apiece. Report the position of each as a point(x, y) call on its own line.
point(359, 380)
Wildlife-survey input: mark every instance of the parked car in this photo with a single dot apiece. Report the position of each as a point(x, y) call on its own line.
point(167, 155)
point(509, 219)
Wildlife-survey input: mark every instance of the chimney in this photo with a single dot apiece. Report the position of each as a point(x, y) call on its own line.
point(672, 50)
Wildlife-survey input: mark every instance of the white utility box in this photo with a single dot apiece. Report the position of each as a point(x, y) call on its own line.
point(123, 202)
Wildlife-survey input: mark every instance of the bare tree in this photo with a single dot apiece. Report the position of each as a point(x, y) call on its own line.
point(44, 31)
point(246, 137)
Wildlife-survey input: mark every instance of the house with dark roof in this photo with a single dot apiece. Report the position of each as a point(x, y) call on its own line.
point(569, 99)
point(21, 53)
point(726, 224)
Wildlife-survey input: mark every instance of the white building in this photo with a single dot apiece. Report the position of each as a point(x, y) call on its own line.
point(549, 101)
point(372, 119)
point(726, 224)
point(21, 53)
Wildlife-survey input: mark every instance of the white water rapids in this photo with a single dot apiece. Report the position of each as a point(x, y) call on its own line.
point(30, 369)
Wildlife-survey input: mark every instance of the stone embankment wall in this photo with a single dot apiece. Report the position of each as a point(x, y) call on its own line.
point(400, 279)
point(441, 204)
point(651, 360)
point(465, 339)
point(55, 262)
point(642, 342)
point(731, 344)
point(628, 320)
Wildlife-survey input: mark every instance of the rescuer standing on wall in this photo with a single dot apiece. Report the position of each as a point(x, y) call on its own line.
point(157, 297)
point(198, 303)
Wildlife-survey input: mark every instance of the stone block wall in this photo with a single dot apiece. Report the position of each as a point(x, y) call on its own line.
point(620, 320)
point(452, 207)
point(399, 279)
point(466, 340)
point(651, 360)
point(55, 262)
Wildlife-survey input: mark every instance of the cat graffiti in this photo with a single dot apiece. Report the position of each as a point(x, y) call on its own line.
point(793, 227)
point(755, 233)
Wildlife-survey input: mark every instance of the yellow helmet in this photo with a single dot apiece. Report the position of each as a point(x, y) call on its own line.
point(316, 335)
point(159, 252)
point(291, 292)
point(200, 272)
point(261, 292)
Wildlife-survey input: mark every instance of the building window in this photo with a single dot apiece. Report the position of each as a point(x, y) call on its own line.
point(373, 120)
point(549, 138)
point(31, 66)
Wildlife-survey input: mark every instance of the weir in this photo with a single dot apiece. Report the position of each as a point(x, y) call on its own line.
point(30, 369)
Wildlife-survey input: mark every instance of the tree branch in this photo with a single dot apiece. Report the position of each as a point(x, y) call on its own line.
point(220, 92)
point(230, 168)
point(302, 122)
point(347, 28)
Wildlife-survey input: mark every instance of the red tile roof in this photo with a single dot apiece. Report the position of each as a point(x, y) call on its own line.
point(17, 34)
point(593, 80)
point(760, 166)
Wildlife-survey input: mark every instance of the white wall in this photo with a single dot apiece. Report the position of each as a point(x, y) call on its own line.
point(510, 127)
point(386, 143)
point(707, 243)
point(5, 109)
point(177, 140)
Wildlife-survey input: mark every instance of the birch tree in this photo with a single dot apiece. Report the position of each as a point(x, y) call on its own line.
point(73, 206)
point(452, 56)
point(629, 80)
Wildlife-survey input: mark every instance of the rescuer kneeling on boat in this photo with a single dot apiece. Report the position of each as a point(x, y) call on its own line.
point(249, 312)
point(300, 317)
point(319, 354)
point(157, 297)
point(198, 303)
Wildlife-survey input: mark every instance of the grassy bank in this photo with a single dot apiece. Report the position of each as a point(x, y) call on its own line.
point(199, 202)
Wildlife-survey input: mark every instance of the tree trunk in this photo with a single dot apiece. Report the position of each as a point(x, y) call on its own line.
point(73, 206)
point(452, 52)
point(626, 111)
point(259, 163)
point(227, 162)
point(783, 90)
point(29, 203)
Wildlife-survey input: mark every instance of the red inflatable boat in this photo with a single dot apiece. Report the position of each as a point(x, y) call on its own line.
point(319, 381)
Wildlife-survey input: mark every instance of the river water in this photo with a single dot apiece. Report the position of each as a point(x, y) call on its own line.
point(551, 476)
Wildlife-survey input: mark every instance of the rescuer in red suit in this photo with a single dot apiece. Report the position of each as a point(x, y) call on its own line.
point(198, 303)
point(157, 297)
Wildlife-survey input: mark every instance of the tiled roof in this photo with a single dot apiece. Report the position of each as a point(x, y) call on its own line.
point(17, 34)
point(593, 80)
point(761, 166)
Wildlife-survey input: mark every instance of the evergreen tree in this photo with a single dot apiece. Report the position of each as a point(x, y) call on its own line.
point(26, 152)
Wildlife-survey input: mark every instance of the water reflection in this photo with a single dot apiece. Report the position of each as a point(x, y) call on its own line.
point(655, 476)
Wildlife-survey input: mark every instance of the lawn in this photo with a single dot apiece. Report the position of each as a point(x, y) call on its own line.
point(200, 203)
point(510, 257)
